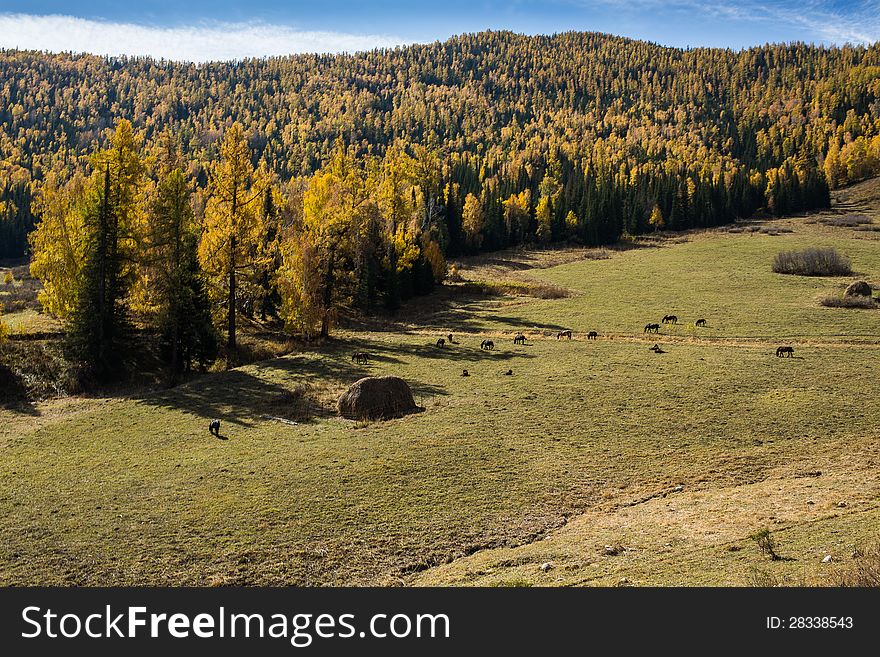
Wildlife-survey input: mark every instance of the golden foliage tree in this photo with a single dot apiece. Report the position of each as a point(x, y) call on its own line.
point(473, 220)
point(58, 245)
point(232, 231)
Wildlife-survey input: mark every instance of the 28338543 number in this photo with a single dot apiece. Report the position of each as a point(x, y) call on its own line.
point(819, 622)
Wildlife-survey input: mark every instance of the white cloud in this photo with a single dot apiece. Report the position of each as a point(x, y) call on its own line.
point(197, 43)
point(827, 21)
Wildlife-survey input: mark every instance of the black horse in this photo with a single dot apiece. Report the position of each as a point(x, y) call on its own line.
point(652, 328)
point(592, 335)
point(519, 339)
point(785, 351)
point(700, 322)
point(488, 345)
point(214, 428)
point(441, 342)
point(563, 334)
point(360, 357)
point(670, 319)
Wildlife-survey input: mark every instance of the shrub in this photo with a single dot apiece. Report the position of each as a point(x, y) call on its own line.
point(847, 221)
point(846, 301)
point(38, 369)
point(812, 262)
point(766, 543)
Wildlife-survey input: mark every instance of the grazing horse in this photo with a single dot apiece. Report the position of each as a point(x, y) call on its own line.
point(700, 322)
point(214, 428)
point(360, 357)
point(592, 335)
point(785, 351)
point(519, 339)
point(464, 373)
point(652, 328)
point(441, 342)
point(508, 373)
point(563, 334)
point(487, 345)
point(670, 319)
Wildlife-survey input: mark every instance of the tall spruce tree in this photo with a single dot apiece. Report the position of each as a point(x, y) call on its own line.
point(184, 319)
point(98, 332)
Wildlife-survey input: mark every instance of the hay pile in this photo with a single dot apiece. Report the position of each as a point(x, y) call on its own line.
point(375, 398)
point(858, 289)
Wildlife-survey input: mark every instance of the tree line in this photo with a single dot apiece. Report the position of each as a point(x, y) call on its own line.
point(135, 244)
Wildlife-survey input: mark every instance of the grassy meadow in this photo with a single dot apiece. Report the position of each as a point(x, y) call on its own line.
point(671, 460)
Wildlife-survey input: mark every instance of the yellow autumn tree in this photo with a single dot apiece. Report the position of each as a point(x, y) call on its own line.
point(544, 215)
point(656, 218)
point(316, 274)
point(516, 215)
point(472, 221)
point(58, 244)
point(231, 233)
point(571, 224)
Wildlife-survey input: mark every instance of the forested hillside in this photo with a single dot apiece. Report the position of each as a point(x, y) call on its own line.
point(303, 185)
point(706, 133)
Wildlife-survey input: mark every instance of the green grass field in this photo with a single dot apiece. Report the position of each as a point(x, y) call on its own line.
point(584, 446)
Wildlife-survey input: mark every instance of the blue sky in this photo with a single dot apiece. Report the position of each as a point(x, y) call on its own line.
point(201, 30)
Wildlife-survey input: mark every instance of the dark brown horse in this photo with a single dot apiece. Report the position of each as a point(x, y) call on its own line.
point(652, 328)
point(441, 342)
point(785, 351)
point(360, 357)
point(670, 319)
point(700, 322)
point(563, 334)
point(519, 339)
point(592, 335)
point(488, 345)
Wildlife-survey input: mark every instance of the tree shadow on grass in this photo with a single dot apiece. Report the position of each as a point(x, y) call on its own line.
point(465, 350)
point(525, 325)
point(245, 396)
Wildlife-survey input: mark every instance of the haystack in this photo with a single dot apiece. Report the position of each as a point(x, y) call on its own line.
point(858, 289)
point(377, 397)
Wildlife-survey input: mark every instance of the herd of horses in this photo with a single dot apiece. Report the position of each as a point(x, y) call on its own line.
point(671, 319)
point(361, 357)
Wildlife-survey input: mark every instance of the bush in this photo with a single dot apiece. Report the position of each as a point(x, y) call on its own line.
point(38, 370)
point(847, 221)
point(766, 543)
point(812, 262)
point(846, 301)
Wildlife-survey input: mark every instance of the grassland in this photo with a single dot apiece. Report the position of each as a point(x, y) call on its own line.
point(671, 459)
